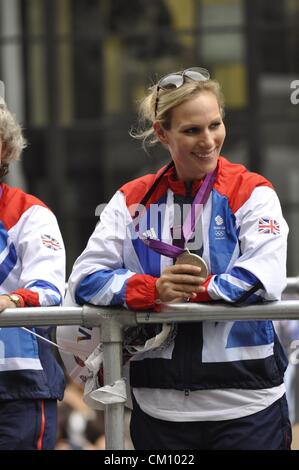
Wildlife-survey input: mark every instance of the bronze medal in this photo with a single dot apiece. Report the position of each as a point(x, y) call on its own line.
point(194, 260)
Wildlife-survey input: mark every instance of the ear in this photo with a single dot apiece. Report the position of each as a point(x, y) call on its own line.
point(160, 133)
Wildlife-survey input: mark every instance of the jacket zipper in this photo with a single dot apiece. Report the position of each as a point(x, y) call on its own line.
point(187, 359)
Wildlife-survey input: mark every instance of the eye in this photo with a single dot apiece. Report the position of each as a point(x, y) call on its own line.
point(215, 125)
point(191, 130)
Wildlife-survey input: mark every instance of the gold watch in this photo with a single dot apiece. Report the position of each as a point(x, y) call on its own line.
point(15, 298)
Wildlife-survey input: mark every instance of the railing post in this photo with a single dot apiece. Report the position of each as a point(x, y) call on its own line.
point(112, 339)
point(292, 287)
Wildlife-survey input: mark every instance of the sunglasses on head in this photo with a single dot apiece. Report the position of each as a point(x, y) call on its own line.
point(177, 79)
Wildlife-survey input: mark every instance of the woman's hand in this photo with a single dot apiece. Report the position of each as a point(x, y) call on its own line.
point(179, 283)
point(6, 302)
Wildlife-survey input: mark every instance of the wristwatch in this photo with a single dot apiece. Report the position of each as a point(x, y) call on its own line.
point(15, 298)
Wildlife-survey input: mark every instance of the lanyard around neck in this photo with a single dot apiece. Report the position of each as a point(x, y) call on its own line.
point(188, 228)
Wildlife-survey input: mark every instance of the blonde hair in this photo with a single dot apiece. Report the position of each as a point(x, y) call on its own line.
point(13, 141)
point(169, 99)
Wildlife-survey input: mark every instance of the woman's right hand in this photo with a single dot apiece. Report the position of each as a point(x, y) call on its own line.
point(179, 283)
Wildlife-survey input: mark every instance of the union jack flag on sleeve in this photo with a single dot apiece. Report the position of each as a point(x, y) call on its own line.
point(51, 242)
point(269, 226)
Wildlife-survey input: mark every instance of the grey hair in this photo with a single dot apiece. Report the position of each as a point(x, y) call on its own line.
point(13, 141)
point(168, 99)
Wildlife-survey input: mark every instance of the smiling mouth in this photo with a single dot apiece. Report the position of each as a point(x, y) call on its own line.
point(204, 155)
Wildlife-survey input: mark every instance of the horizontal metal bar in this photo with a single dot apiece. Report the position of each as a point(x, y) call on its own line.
point(86, 315)
point(181, 312)
point(95, 316)
point(41, 316)
point(45, 316)
point(286, 309)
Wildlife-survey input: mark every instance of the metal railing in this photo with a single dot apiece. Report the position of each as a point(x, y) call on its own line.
point(112, 320)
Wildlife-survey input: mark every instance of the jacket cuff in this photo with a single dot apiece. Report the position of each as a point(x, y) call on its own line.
point(28, 298)
point(203, 296)
point(141, 292)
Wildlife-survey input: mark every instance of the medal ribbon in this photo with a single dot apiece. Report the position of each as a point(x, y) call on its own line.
point(188, 228)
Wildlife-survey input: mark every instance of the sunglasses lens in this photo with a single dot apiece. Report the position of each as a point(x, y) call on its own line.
point(197, 74)
point(171, 81)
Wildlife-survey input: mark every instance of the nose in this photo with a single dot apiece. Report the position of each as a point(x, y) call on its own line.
point(206, 140)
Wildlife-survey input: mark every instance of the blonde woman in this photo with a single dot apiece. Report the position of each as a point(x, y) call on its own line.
point(200, 230)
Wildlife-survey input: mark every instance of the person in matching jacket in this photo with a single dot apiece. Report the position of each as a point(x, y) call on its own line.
point(210, 385)
point(32, 274)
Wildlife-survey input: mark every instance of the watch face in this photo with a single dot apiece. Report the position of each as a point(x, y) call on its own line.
point(15, 298)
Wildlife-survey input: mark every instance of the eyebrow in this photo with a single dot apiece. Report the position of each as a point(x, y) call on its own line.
point(188, 125)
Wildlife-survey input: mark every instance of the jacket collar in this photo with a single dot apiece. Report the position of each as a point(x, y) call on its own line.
point(179, 187)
